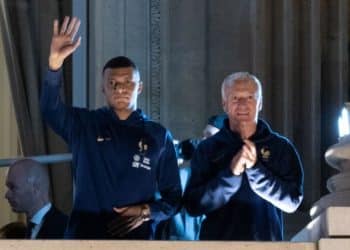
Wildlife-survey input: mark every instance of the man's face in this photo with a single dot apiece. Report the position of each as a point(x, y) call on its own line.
point(19, 191)
point(243, 102)
point(121, 88)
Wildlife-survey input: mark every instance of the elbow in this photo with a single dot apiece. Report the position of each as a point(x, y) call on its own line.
point(293, 205)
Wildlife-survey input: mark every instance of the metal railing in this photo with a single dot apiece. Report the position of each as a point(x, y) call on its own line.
point(43, 159)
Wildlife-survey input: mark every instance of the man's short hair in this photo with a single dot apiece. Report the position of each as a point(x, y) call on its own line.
point(230, 79)
point(122, 62)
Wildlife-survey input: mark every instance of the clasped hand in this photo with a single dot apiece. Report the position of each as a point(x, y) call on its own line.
point(127, 220)
point(245, 158)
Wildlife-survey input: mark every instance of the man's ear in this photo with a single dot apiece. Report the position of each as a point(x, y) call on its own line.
point(260, 104)
point(223, 102)
point(140, 88)
point(35, 188)
point(102, 88)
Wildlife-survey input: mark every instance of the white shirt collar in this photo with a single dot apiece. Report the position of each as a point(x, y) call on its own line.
point(38, 216)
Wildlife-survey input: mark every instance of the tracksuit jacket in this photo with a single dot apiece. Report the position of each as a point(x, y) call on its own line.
point(116, 163)
point(248, 206)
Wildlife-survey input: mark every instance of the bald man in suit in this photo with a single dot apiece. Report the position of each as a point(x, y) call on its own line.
point(28, 192)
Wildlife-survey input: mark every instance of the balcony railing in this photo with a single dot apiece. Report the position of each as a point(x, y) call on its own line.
point(44, 159)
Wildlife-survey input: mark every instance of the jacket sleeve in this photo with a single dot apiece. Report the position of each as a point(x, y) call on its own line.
point(60, 117)
point(168, 182)
point(204, 192)
point(282, 188)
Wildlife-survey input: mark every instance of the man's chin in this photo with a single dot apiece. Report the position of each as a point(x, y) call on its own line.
point(245, 119)
point(16, 210)
point(121, 108)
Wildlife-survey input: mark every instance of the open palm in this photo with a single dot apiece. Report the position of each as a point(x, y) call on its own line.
point(63, 41)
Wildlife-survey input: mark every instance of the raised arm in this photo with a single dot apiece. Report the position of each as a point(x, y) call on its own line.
point(59, 116)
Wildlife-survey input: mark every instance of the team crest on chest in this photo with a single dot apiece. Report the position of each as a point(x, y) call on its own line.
point(265, 153)
point(143, 147)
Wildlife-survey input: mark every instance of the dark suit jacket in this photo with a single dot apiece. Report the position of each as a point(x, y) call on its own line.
point(54, 225)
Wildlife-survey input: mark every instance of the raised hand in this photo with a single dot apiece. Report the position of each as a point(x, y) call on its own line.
point(63, 41)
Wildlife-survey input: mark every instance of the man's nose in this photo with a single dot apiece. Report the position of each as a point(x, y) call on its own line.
point(242, 100)
point(119, 87)
point(7, 194)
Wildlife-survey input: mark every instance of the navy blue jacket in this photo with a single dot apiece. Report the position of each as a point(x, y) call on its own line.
point(54, 225)
point(116, 163)
point(249, 206)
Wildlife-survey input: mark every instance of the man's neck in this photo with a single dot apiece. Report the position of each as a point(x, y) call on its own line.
point(244, 129)
point(124, 114)
point(36, 208)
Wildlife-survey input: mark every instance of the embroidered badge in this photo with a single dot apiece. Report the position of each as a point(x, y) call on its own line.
point(137, 158)
point(101, 139)
point(140, 160)
point(146, 160)
point(265, 153)
point(143, 147)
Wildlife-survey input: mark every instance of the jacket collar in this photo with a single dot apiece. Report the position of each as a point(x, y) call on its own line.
point(263, 132)
point(134, 118)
